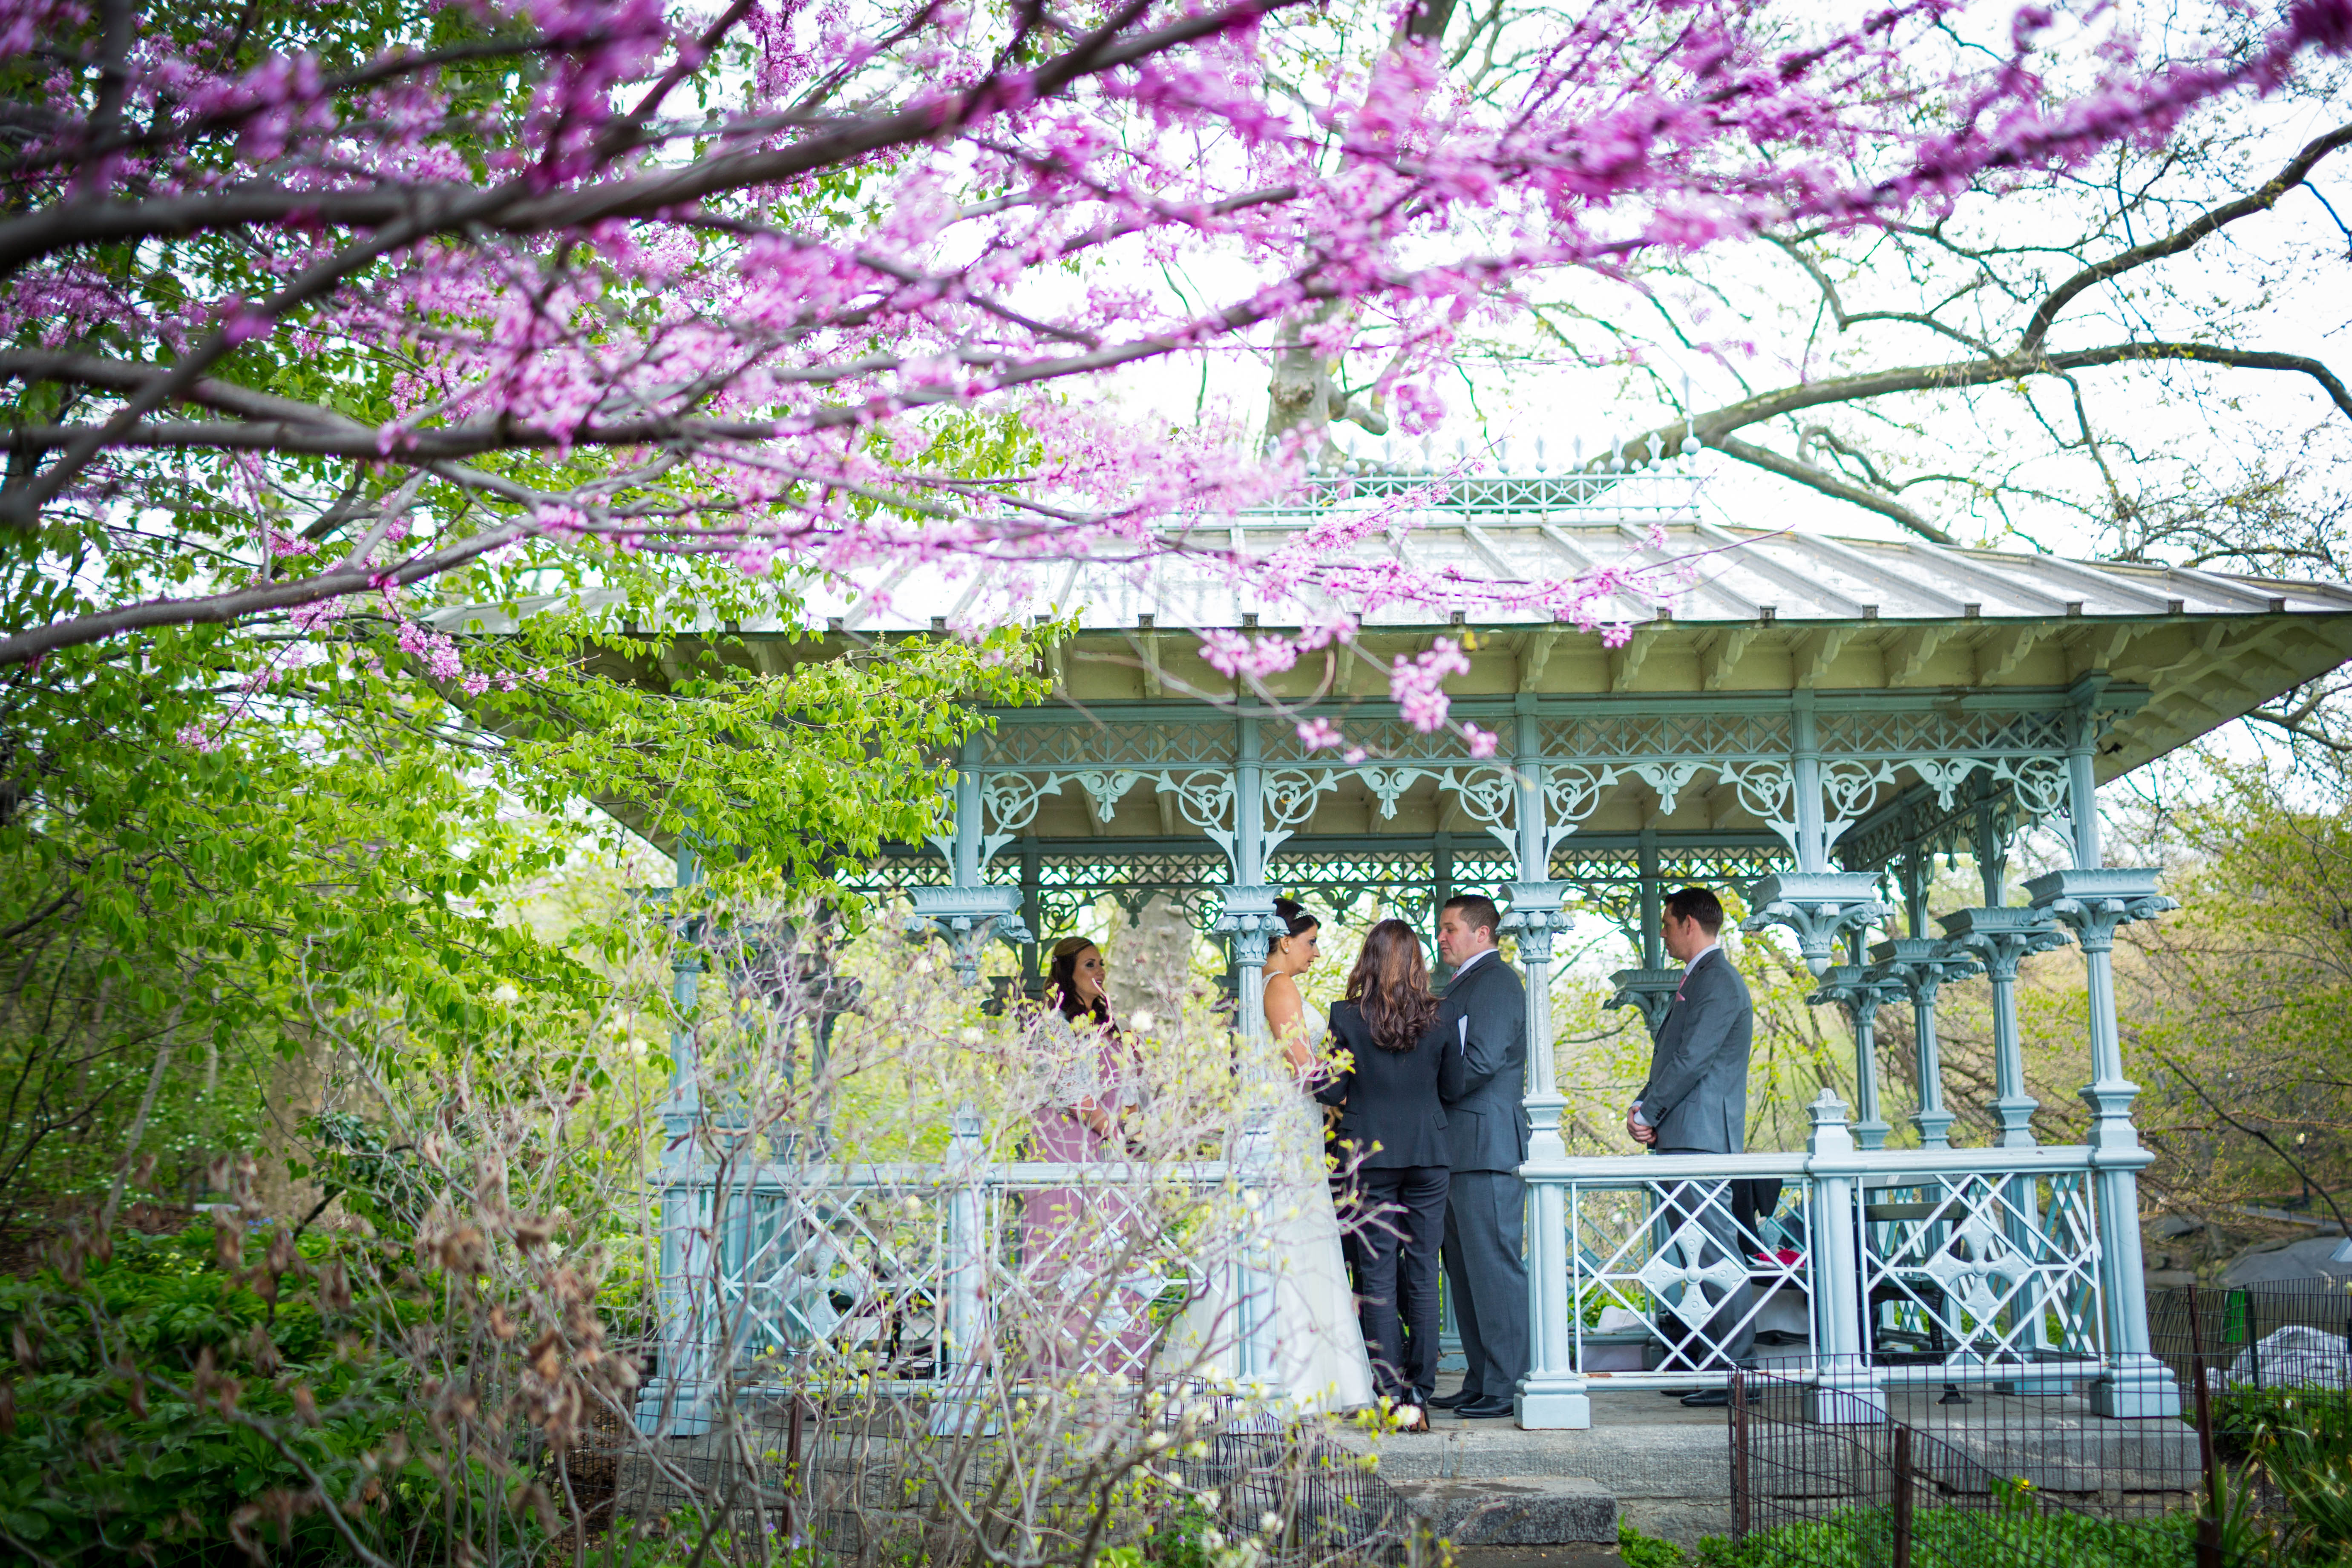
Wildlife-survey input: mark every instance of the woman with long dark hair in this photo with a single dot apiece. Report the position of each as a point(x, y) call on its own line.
point(1390, 1084)
point(1092, 1320)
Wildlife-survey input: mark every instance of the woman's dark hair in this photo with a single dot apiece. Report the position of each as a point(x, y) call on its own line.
point(1390, 986)
point(1297, 919)
point(1061, 983)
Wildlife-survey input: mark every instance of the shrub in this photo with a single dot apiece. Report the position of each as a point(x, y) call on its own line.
point(162, 1406)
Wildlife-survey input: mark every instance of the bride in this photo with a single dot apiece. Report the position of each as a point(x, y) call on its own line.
point(1318, 1351)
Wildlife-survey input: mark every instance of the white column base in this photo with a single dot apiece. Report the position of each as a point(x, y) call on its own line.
point(2142, 1392)
point(1554, 1410)
point(1850, 1398)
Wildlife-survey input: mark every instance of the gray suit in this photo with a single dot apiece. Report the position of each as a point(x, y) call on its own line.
point(1485, 1020)
point(1696, 1099)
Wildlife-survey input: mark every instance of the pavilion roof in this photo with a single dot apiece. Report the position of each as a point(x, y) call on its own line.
point(1752, 612)
point(1501, 532)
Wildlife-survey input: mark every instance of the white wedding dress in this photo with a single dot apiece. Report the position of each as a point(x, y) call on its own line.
point(1318, 1364)
point(1320, 1361)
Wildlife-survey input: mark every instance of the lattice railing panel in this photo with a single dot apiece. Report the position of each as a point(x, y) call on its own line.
point(1983, 1270)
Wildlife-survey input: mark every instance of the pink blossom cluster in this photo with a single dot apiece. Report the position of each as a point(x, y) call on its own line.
point(798, 290)
point(438, 651)
point(1418, 685)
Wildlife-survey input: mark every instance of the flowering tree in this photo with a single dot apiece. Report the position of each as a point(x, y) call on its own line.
point(309, 305)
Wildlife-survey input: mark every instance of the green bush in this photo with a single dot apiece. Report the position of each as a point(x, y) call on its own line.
point(1959, 1538)
point(158, 1408)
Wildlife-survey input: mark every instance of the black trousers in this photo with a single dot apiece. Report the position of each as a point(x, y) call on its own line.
point(1724, 1226)
point(1396, 1219)
point(1488, 1272)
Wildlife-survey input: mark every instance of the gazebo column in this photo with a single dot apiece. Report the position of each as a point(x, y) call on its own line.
point(2093, 902)
point(967, 912)
point(1919, 966)
point(1859, 993)
point(1817, 904)
point(2000, 939)
point(1249, 917)
point(1033, 915)
point(1552, 1395)
point(1649, 989)
point(677, 1399)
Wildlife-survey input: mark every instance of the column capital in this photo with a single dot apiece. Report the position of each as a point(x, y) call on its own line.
point(2093, 901)
point(1819, 907)
point(1921, 965)
point(1859, 990)
point(2001, 938)
point(1649, 992)
point(969, 918)
point(1536, 913)
point(1250, 918)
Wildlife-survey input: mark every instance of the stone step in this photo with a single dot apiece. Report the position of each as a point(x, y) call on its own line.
point(1520, 1510)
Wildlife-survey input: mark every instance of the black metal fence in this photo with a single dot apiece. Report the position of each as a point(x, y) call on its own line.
point(2027, 1474)
point(865, 1483)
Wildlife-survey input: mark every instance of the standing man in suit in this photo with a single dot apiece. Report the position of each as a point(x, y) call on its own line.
point(1696, 1103)
point(1485, 1015)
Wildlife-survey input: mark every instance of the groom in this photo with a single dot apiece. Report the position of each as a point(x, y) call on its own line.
point(1487, 1014)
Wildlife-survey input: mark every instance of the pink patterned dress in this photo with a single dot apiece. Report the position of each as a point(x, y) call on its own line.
point(1086, 1252)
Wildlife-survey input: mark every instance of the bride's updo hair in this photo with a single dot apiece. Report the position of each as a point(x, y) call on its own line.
point(1297, 919)
point(1390, 986)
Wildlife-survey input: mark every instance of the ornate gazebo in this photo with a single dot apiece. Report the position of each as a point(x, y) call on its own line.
point(1808, 719)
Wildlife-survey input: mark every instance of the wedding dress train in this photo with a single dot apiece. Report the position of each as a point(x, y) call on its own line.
point(1319, 1363)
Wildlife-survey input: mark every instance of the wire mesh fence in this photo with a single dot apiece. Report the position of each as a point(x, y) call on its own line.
point(869, 1480)
point(2026, 1474)
point(2016, 1475)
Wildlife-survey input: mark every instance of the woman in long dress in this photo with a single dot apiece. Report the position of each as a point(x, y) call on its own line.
point(1074, 1239)
point(1319, 1362)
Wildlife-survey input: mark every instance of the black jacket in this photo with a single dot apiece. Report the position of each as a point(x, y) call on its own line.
point(1486, 1019)
point(1392, 1101)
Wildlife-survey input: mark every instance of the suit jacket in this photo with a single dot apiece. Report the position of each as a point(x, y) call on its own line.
point(1697, 1094)
point(1393, 1100)
point(1485, 1120)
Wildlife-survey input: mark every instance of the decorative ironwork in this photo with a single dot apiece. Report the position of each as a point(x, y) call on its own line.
point(1651, 1263)
point(1967, 1269)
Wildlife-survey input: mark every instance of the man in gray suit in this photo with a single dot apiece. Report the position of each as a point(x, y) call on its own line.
point(1696, 1103)
point(1486, 1013)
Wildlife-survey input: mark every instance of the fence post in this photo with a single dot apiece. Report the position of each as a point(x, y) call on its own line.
point(2209, 1518)
point(1739, 1454)
point(963, 1273)
point(1845, 1390)
point(1902, 1509)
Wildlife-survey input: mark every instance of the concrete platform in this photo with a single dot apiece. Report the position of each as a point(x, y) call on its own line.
point(1668, 1468)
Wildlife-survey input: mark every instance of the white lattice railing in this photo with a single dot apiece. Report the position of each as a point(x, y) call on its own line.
point(1857, 1268)
point(912, 1274)
point(1861, 1267)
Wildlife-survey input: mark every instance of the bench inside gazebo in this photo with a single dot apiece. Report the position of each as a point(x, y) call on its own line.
point(1808, 722)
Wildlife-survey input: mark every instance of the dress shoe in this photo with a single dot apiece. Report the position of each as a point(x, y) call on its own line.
point(1453, 1400)
point(1485, 1410)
